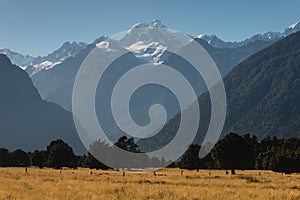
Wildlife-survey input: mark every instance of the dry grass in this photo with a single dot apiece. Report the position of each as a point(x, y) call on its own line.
point(168, 184)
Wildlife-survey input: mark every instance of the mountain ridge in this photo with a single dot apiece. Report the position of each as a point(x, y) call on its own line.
point(214, 41)
point(34, 64)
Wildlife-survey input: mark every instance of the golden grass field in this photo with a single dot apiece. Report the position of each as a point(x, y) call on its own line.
point(167, 184)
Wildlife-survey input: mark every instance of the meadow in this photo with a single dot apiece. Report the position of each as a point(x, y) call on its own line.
point(79, 184)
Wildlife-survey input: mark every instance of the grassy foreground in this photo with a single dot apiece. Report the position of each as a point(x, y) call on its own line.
point(167, 184)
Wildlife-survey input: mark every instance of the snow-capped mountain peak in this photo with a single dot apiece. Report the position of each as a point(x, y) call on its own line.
point(34, 64)
point(152, 24)
point(150, 40)
point(66, 50)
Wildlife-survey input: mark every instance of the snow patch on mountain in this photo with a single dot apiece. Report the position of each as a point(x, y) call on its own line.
point(295, 25)
point(107, 46)
point(151, 52)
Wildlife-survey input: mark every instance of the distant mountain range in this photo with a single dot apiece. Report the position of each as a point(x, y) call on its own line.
point(34, 64)
point(214, 41)
point(263, 94)
point(27, 121)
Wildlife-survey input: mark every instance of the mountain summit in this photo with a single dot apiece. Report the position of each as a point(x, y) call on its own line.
point(152, 24)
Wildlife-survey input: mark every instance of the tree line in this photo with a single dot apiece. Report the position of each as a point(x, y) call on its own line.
point(246, 152)
point(59, 154)
point(230, 153)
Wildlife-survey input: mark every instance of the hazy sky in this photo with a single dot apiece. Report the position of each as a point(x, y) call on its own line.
point(37, 27)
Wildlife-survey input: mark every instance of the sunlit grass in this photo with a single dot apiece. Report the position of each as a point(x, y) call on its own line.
point(167, 184)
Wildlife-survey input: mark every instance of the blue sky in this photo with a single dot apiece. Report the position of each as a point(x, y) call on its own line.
point(37, 27)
